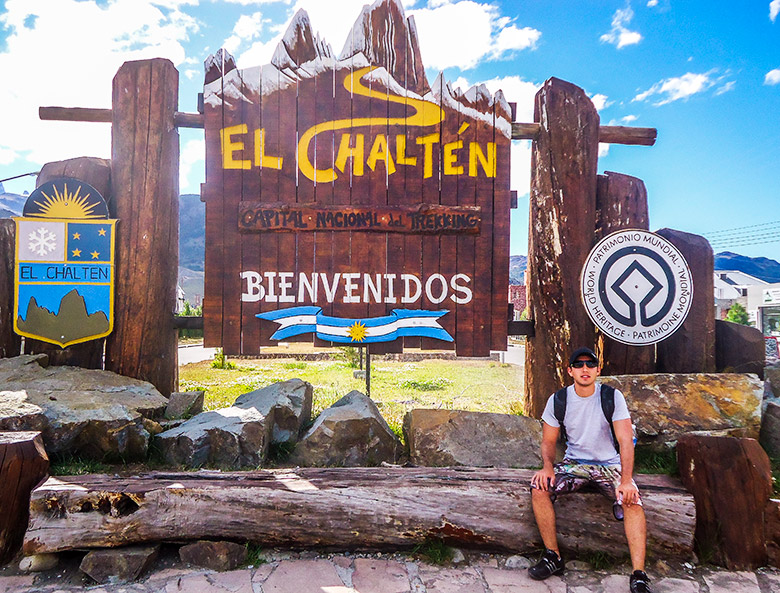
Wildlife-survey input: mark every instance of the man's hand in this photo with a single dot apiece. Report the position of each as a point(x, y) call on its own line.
point(627, 493)
point(544, 479)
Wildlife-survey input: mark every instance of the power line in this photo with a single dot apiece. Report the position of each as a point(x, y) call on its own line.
point(749, 237)
point(739, 230)
point(18, 176)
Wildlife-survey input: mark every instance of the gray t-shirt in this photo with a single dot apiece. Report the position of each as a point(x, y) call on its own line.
point(587, 430)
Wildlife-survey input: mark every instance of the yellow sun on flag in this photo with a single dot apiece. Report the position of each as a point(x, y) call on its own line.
point(65, 205)
point(357, 332)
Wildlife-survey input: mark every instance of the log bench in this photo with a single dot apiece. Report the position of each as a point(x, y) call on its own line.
point(384, 507)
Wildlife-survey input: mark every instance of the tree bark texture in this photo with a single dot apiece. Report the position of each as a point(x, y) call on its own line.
point(10, 342)
point(23, 464)
point(561, 232)
point(342, 507)
point(691, 349)
point(621, 203)
point(96, 172)
point(145, 179)
point(731, 480)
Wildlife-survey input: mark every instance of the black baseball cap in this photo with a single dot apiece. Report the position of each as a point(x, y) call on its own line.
point(583, 352)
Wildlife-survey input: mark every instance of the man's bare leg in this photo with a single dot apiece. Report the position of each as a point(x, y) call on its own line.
point(545, 518)
point(636, 534)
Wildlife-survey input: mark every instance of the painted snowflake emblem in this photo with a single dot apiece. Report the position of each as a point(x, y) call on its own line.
point(42, 241)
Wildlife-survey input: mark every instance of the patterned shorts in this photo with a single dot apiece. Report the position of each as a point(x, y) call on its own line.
point(571, 476)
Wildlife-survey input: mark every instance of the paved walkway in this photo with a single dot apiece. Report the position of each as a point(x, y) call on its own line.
point(293, 573)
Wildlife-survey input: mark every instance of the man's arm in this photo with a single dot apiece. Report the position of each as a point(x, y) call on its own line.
point(545, 477)
point(627, 491)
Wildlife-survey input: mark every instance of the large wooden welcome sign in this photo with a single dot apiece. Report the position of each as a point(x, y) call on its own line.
point(349, 200)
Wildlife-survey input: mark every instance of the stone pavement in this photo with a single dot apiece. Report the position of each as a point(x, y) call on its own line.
point(382, 573)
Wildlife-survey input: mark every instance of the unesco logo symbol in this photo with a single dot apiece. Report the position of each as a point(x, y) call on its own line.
point(636, 287)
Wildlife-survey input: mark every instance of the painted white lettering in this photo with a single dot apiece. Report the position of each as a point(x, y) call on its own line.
point(270, 297)
point(309, 285)
point(284, 286)
point(408, 280)
point(429, 288)
point(370, 286)
point(461, 289)
point(254, 289)
point(390, 298)
point(330, 289)
point(350, 287)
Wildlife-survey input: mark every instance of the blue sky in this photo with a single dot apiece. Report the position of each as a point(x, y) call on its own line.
point(705, 74)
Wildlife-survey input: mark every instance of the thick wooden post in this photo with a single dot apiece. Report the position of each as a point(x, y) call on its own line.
point(691, 349)
point(145, 175)
point(10, 343)
point(561, 232)
point(23, 464)
point(96, 172)
point(731, 481)
point(621, 203)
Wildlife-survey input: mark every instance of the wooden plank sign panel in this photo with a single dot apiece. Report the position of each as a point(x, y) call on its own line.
point(350, 200)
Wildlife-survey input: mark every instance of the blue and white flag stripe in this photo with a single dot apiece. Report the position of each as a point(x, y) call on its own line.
point(400, 323)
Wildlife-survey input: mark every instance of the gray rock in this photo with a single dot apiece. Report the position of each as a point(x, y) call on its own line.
point(286, 404)
point(454, 437)
point(517, 562)
point(739, 348)
point(772, 376)
point(351, 432)
point(214, 555)
point(770, 429)
point(39, 562)
point(578, 565)
point(458, 557)
point(119, 565)
point(90, 413)
point(183, 404)
point(230, 437)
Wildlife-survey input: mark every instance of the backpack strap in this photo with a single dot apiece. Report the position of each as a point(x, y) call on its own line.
point(559, 410)
point(608, 407)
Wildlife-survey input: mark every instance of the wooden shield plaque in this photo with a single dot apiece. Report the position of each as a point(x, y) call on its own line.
point(352, 188)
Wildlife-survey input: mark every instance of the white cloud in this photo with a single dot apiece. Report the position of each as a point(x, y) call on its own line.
point(490, 35)
point(600, 101)
point(247, 28)
point(651, 3)
point(7, 156)
point(774, 9)
point(192, 161)
point(627, 119)
point(772, 77)
point(725, 88)
point(603, 149)
point(620, 35)
point(66, 53)
point(681, 87)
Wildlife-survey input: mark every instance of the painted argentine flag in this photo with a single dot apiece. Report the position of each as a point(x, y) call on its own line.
point(400, 323)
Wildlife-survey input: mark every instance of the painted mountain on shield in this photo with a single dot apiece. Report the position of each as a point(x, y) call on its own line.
point(70, 324)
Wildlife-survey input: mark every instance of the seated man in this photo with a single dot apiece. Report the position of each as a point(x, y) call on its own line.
point(591, 458)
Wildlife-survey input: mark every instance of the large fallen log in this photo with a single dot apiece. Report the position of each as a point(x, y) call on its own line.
point(341, 507)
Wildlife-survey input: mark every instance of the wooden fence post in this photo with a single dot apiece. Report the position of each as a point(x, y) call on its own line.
point(145, 187)
point(10, 343)
point(561, 231)
point(23, 464)
point(621, 203)
point(96, 172)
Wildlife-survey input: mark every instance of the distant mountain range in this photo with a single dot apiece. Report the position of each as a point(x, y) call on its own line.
point(763, 268)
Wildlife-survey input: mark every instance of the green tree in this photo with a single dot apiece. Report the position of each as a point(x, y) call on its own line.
point(737, 314)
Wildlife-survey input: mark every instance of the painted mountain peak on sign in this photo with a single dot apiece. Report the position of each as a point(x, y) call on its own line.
point(69, 325)
point(384, 35)
point(300, 45)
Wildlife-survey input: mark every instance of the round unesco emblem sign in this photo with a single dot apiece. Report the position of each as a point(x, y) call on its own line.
point(636, 287)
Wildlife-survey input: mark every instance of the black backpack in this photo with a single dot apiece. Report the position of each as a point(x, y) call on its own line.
point(607, 406)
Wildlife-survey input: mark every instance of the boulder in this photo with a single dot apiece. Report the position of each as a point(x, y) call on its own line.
point(39, 563)
point(351, 432)
point(230, 437)
point(287, 404)
point(184, 404)
point(214, 555)
point(119, 565)
point(772, 376)
point(665, 406)
point(770, 429)
point(90, 413)
point(455, 437)
point(772, 531)
point(739, 348)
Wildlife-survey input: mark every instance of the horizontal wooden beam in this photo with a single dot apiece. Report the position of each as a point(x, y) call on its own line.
point(187, 322)
point(521, 328)
point(180, 119)
point(607, 134)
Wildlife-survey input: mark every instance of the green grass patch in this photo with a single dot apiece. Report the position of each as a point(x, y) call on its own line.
point(656, 462)
point(433, 551)
point(294, 365)
point(76, 466)
point(254, 555)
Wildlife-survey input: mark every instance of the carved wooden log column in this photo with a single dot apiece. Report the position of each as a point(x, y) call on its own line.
point(621, 203)
point(561, 231)
point(145, 180)
point(731, 481)
point(96, 172)
point(23, 464)
point(10, 343)
point(691, 349)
